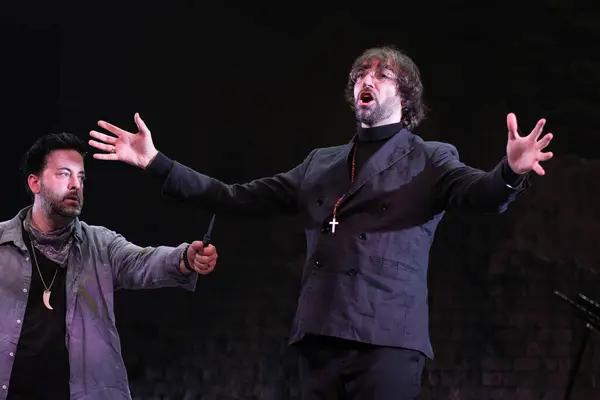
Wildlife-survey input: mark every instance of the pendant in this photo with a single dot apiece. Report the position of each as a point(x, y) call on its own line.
point(46, 299)
point(333, 223)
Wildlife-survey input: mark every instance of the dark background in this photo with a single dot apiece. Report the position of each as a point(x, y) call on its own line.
point(243, 91)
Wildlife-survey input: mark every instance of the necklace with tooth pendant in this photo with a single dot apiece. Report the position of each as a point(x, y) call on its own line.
point(47, 291)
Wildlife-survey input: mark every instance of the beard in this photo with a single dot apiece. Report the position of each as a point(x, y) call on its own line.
point(55, 205)
point(375, 112)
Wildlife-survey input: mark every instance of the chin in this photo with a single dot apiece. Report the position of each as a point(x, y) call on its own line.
point(365, 119)
point(70, 212)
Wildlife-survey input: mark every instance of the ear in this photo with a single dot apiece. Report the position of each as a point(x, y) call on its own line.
point(34, 183)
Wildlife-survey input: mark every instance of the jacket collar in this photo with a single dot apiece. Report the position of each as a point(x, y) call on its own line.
point(13, 230)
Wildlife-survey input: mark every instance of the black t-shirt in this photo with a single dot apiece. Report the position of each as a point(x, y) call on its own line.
point(41, 366)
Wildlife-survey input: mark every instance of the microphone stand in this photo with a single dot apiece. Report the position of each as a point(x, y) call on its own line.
point(588, 310)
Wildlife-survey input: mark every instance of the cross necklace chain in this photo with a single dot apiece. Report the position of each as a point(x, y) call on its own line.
point(47, 291)
point(334, 221)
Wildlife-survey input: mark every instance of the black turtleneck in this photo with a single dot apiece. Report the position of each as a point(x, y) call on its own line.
point(370, 140)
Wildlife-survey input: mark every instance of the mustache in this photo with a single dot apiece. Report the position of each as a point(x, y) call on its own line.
point(73, 195)
point(366, 90)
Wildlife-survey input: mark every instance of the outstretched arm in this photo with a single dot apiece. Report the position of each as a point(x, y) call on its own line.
point(265, 196)
point(261, 197)
point(136, 267)
point(460, 187)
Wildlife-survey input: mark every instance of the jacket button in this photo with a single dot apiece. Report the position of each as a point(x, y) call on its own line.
point(362, 236)
point(352, 272)
point(325, 229)
point(384, 207)
point(320, 201)
point(317, 265)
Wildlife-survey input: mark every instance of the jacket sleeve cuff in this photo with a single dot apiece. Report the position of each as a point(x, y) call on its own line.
point(187, 282)
point(160, 166)
point(510, 177)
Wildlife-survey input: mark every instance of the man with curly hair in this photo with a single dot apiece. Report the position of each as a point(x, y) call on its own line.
point(370, 209)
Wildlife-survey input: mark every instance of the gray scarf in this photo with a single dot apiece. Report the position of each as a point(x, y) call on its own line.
point(55, 245)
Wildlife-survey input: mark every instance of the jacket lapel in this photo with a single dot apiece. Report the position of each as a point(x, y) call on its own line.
point(342, 160)
point(389, 154)
point(337, 177)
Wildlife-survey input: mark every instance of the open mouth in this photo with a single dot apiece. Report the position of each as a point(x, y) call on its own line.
point(365, 98)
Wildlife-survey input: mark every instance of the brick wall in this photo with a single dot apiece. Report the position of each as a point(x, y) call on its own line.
point(499, 330)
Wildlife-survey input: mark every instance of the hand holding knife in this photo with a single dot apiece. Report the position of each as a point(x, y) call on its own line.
point(203, 261)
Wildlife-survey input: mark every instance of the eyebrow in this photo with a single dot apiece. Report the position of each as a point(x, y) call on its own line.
point(70, 170)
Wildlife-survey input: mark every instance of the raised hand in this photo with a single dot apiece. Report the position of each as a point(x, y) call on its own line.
point(133, 148)
point(524, 153)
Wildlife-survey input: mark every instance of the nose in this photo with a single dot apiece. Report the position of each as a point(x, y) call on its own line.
point(75, 183)
point(368, 79)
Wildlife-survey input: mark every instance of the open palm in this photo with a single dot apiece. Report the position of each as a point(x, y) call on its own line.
point(133, 148)
point(524, 153)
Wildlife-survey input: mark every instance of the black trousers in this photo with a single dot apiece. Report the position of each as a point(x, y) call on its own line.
point(337, 369)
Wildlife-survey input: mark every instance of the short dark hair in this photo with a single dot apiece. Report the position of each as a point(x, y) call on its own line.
point(408, 82)
point(36, 158)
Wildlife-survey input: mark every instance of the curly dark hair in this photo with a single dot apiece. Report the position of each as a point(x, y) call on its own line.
point(36, 158)
point(408, 82)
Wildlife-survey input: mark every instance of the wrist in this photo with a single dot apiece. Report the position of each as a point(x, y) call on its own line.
point(511, 177)
point(184, 263)
point(147, 160)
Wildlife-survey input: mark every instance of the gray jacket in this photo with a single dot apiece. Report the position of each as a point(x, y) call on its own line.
point(101, 261)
